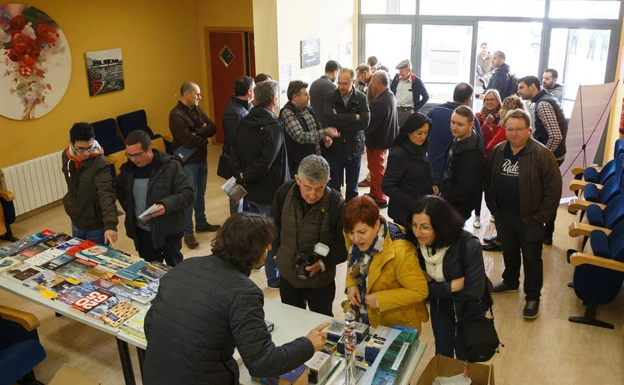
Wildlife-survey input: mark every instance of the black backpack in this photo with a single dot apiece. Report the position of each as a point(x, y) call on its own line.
point(479, 338)
point(513, 84)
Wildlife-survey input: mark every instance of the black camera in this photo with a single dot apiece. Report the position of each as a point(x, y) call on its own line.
point(304, 260)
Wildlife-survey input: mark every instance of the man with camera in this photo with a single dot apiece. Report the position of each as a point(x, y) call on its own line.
point(310, 242)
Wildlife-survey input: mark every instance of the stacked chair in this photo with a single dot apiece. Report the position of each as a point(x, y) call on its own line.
point(598, 277)
point(137, 120)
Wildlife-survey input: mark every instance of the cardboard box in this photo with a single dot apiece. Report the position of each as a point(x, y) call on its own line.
point(68, 375)
point(480, 374)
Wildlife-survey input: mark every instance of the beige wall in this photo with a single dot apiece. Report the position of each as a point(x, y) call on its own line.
point(265, 33)
point(616, 112)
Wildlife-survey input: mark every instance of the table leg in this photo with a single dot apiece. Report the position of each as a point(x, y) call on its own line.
point(141, 354)
point(126, 362)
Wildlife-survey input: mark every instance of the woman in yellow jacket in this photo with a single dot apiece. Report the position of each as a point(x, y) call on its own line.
point(384, 277)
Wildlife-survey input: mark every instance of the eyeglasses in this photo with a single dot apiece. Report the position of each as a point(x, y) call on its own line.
point(515, 130)
point(423, 228)
point(489, 100)
point(82, 150)
point(135, 156)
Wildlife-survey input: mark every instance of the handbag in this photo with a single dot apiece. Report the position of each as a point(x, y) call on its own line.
point(478, 335)
point(224, 169)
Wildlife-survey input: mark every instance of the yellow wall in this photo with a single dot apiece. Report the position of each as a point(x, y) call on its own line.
point(338, 19)
point(160, 45)
point(214, 14)
point(266, 36)
point(616, 107)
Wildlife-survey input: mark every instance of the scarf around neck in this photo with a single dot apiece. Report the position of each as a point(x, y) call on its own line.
point(434, 262)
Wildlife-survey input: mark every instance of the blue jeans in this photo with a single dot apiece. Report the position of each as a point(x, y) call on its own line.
point(197, 174)
point(96, 236)
point(338, 167)
point(270, 266)
point(447, 343)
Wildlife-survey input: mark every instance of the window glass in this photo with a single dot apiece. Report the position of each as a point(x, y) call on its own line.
point(583, 9)
point(388, 7)
point(517, 8)
point(389, 52)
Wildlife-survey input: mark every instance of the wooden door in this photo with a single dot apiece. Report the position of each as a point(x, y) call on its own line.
point(251, 49)
point(228, 61)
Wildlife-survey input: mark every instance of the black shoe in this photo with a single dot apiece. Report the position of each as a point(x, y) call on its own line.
point(190, 241)
point(490, 239)
point(492, 247)
point(502, 287)
point(531, 309)
point(548, 241)
point(207, 227)
point(382, 205)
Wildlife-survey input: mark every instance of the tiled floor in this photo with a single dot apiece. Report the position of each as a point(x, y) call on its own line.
point(548, 350)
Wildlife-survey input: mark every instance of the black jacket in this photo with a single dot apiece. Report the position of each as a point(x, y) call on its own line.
point(384, 126)
point(90, 198)
point(168, 185)
point(204, 309)
point(500, 81)
point(420, 95)
point(318, 90)
point(541, 134)
point(234, 112)
point(407, 178)
point(471, 268)
point(186, 126)
point(260, 155)
point(462, 179)
point(351, 140)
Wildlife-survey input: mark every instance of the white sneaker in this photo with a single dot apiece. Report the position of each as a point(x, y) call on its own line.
point(477, 222)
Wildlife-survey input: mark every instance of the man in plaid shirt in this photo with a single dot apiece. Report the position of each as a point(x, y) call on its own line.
point(304, 132)
point(551, 127)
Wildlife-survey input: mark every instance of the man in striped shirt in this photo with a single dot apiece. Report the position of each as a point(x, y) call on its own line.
point(551, 127)
point(304, 132)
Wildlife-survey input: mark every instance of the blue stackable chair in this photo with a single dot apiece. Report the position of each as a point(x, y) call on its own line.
point(591, 174)
point(594, 283)
point(610, 189)
point(20, 350)
point(137, 120)
point(106, 135)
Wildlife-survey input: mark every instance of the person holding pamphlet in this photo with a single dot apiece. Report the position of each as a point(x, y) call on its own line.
point(90, 198)
point(208, 306)
point(145, 183)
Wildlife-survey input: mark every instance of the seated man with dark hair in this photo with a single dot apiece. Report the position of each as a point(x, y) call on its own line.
point(148, 178)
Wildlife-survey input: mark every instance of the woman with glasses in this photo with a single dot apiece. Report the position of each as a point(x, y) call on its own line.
point(453, 266)
point(408, 174)
point(383, 276)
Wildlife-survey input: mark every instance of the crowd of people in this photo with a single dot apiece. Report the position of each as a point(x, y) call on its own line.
point(429, 170)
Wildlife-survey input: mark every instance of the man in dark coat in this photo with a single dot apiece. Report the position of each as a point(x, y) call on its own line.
point(461, 180)
point(380, 134)
point(501, 77)
point(410, 91)
point(191, 128)
point(235, 111)
point(321, 87)
point(90, 198)
point(260, 160)
point(152, 178)
point(347, 110)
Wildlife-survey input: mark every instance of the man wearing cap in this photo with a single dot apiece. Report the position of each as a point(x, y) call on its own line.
point(410, 91)
point(304, 131)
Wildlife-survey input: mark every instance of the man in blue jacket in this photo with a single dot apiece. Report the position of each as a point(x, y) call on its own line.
point(410, 91)
point(440, 135)
point(501, 77)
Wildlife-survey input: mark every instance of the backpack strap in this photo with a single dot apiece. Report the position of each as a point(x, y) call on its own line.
point(334, 208)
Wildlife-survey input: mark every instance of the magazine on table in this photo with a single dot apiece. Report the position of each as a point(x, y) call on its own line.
point(234, 190)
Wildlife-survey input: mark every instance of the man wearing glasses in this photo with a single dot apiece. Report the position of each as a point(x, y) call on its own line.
point(152, 178)
point(523, 188)
point(90, 198)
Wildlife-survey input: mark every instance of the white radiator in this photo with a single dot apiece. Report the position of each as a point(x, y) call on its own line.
point(35, 182)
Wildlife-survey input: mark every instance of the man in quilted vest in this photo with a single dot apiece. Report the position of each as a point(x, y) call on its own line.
point(306, 212)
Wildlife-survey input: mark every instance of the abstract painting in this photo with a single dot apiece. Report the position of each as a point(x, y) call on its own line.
point(104, 71)
point(35, 62)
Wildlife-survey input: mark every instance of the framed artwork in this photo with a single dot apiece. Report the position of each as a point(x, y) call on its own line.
point(104, 71)
point(35, 62)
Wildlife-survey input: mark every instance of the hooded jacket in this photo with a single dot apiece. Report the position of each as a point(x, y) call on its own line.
point(90, 198)
point(168, 185)
point(260, 155)
point(234, 112)
point(462, 179)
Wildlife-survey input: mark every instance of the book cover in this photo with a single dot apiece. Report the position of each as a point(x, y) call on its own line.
point(67, 298)
point(75, 269)
point(8, 263)
point(23, 272)
point(59, 261)
point(101, 309)
point(131, 272)
point(154, 271)
point(113, 265)
point(103, 283)
point(33, 250)
point(91, 300)
point(44, 257)
point(69, 244)
point(119, 314)
point(93, 253)
point(134, 325)
point(65, 286)
point(146, 293)
point(17, 246)
point(81, 246)
point(120, 256)
point(56, 240)
point(41, 279)
point(122, 291)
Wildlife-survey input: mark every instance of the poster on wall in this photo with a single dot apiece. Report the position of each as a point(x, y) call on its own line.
point(104, 71)
point(310, 53)
point(35, 62)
